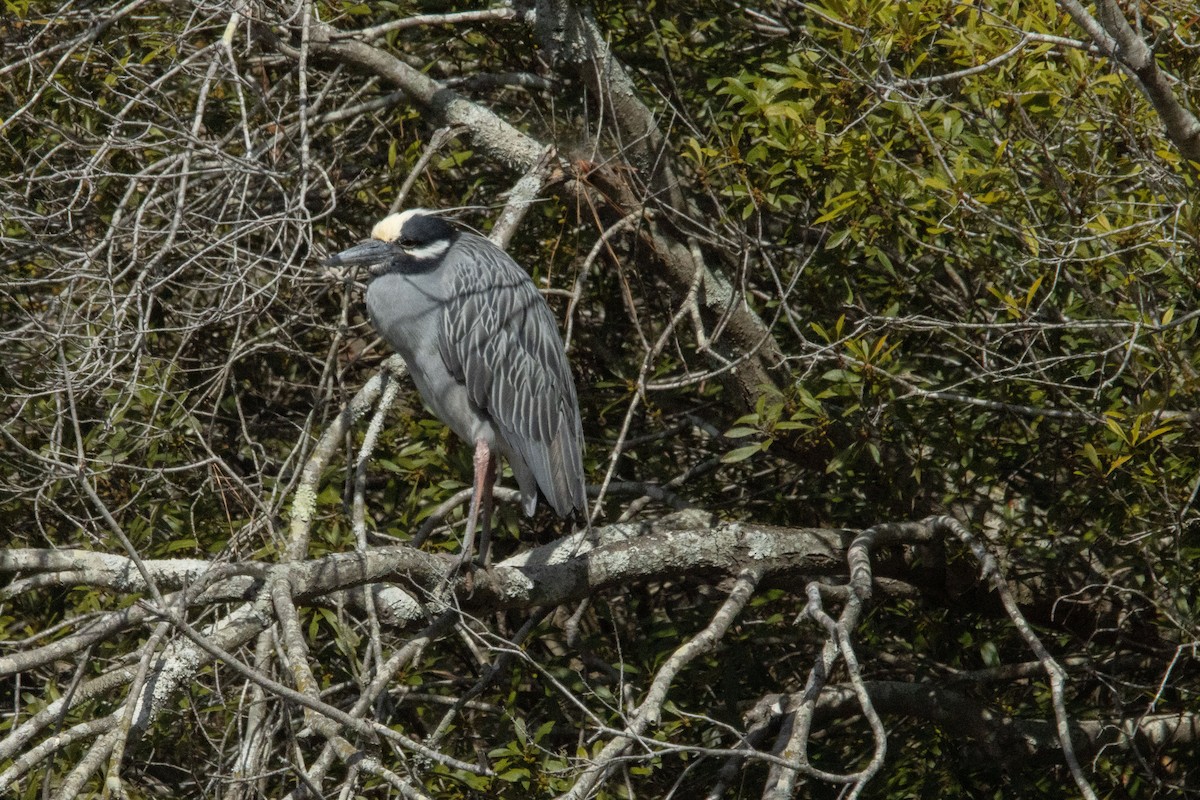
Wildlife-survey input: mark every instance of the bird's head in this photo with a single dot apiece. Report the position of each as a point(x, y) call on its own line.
point(410, 241)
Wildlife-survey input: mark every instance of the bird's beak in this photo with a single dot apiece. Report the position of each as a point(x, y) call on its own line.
point(372, 251)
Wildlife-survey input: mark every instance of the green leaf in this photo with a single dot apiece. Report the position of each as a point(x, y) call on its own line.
point(840, 205)
point(741, 453)
point(515, 774)
point(740, 432)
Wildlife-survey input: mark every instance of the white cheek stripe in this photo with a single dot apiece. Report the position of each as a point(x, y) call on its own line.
point(429, 251)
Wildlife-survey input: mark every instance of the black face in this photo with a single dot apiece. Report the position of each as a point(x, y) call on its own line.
point(423, 230)
point(420, 246)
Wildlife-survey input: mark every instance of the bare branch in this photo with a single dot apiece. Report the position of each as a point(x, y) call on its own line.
point(1115, 38)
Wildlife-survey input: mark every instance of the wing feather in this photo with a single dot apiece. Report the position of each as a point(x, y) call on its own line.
point(501, 341)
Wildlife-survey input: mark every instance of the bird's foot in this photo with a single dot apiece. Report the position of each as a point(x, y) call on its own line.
point(463, 566)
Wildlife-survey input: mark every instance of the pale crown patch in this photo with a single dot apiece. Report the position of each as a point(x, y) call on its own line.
point(388, 229)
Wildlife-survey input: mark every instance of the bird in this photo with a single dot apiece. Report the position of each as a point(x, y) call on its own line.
point(483, 349)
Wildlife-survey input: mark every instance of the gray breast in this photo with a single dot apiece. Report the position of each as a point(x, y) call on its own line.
point(409, 311)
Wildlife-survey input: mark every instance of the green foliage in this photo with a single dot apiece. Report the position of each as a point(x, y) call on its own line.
point(983, 282)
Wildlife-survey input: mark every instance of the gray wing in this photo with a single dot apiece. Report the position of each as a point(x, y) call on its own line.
point(500, 340)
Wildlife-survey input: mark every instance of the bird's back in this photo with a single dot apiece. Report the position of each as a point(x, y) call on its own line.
point(501, 342)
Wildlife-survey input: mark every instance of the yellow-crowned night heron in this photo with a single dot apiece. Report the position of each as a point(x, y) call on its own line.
point(484, 351)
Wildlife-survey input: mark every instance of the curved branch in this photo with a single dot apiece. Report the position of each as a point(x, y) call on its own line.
point(649, 711)
point(572, 37)
point(999, 736)
point(490, 132)
point(1116, 39)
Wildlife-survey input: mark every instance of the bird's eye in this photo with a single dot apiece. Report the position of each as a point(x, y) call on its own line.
point(408, 241)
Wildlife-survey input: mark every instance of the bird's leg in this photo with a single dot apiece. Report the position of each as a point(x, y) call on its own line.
point(485, 521)
point(481, 497)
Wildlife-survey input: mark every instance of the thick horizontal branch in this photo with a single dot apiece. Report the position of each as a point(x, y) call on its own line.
point(568, 569)
point(573, 568)
point(400, 579)
point(107, 570)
